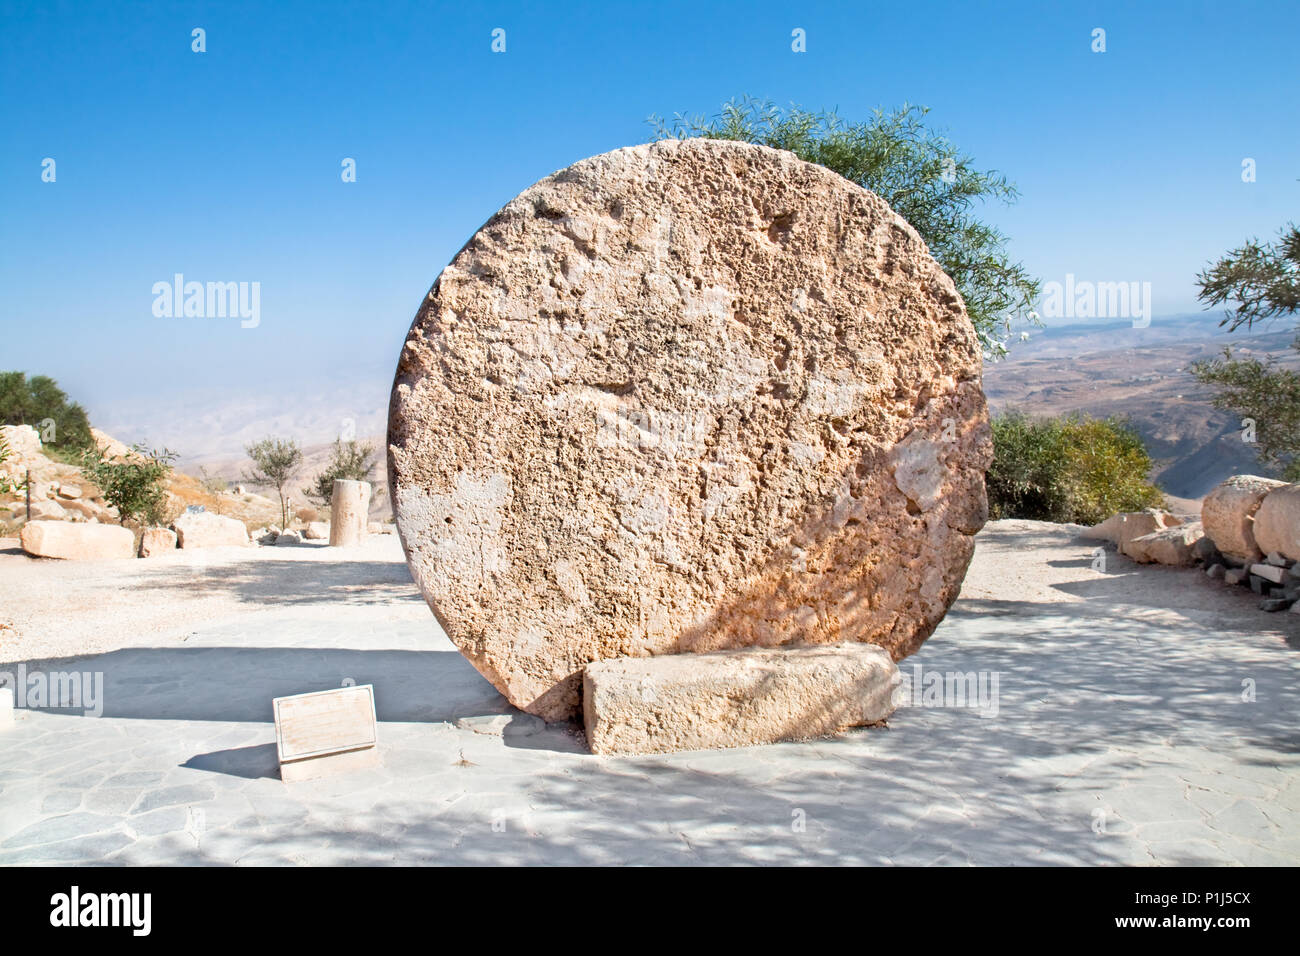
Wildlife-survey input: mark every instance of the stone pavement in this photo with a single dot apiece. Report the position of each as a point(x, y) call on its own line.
point(1118, 735)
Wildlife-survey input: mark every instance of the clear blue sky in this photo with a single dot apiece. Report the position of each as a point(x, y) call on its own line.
point(225, 165)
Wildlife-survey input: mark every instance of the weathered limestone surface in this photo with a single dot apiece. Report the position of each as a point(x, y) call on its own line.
point(685, 397)
point(1228, 514)
point(77, 541)
point(1125, 526)
point(46, 511)
point(208, 530)
point(1139, 524)
point(155, 541)
point(1277, 522)
point(1174, 546)
point(24, 443)
point(349, 504)
point(735, 698)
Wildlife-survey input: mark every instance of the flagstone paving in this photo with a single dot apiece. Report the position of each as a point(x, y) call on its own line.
point(1141, 716)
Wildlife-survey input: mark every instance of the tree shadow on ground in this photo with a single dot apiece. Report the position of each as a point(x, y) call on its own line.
point(270, 581)
point(239, 683)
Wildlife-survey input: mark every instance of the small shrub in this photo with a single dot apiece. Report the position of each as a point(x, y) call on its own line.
point(1073, 469)
point(214, 485)
point(274, 459)
point(350, 460)
point(135, 485)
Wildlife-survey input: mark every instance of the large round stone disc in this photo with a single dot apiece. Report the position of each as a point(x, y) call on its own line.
point(682, 397)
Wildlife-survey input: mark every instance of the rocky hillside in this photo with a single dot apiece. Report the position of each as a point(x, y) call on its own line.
point(61, 491)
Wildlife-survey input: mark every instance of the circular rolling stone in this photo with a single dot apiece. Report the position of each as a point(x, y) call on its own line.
point(683, 397)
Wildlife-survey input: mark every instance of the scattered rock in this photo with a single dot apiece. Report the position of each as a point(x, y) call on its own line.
point(317, 531)
point(46, 511)
point(1174, 546)
point(1269, 572)
point(204, 529)
point(24, 441)
point(86, 509)
point(1275, 604)
point(1235, 576)
point(1107, 530)
point(1216, 571)
point(1228, 514)
point(76, 542)
point(1138, 524)
point(155, 541)
point(287, 538)
point(681, 397)
point(640, 705)
point(1205, 549)
point(1127, 525)
point(69, 491)
point(507, 725)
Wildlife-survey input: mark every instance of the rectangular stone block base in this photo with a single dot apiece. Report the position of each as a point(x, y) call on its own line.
point(643, 705)
point(323, 766)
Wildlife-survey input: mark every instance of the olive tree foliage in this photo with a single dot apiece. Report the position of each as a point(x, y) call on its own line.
point(274, 460)
point(923, 176)
point(1262, 283)
point(350, 460)
point(135, 484)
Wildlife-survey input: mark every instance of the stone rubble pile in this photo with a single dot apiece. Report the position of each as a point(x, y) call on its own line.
point(1248, 536)
point(1253, 539)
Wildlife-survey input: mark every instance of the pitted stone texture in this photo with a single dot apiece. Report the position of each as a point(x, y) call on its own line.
point(1277, 522)
point(735, 698)
point(1134, 525)
point(156, 541)
point(1228, 514)
point(1174, 546)
point(684, 397)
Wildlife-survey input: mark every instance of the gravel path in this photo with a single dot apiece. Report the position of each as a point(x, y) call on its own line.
point(1143, 715)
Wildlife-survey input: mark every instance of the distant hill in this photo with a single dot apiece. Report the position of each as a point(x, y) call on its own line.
point(315, 458)
point(1101, 368)
point(1115, 369)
